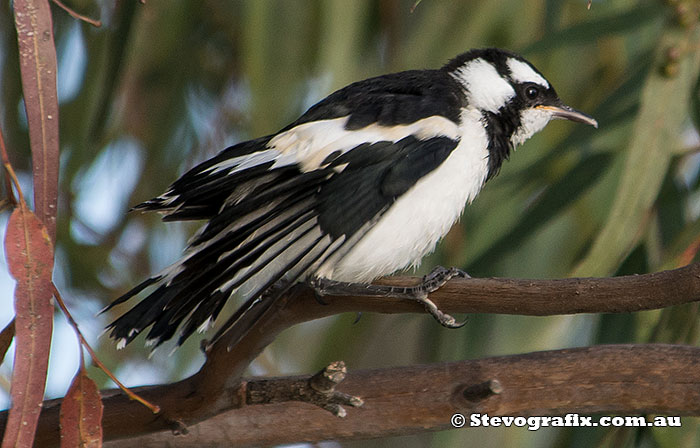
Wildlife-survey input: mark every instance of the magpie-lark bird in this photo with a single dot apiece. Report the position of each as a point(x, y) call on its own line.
point(363, 184)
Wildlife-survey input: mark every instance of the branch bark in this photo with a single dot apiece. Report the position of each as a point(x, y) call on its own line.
point(216, 387)
point(624, 379)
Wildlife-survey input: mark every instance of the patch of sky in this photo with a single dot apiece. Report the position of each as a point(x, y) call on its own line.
point(166, 243)
point(102, 191)
point(72, 61)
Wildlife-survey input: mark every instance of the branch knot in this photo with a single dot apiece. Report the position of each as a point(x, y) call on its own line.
point(318, 390)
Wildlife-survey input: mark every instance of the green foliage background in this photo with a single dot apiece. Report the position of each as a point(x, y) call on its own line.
point(164, 85)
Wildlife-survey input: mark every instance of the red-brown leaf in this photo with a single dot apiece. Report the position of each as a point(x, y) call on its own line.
point(29, 254)
point(81, 414)
point(37, 55)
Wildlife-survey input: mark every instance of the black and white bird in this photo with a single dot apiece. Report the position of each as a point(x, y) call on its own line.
point(364, 184)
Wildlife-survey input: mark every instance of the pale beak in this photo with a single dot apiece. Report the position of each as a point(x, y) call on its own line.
point(569, 113)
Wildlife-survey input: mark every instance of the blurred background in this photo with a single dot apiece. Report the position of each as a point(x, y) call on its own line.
point(166, 84)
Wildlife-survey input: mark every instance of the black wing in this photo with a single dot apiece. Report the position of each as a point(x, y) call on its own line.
point(393, 99)
point(200, 192)
point(271, 218)
point(388, 100)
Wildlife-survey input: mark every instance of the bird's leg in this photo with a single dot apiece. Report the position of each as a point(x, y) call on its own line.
point(430, 283)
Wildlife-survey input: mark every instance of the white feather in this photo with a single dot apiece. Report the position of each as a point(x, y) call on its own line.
point(243, 162)
point(276, 257)
point(310, 143)
point(485, 88)
point(206, 325)
point(531, 122)
point(280, 262)
point(289, 213)
point(522, 72)
point(170, 272)
point(415, 223)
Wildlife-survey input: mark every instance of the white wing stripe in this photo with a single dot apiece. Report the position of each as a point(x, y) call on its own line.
point(310, 143)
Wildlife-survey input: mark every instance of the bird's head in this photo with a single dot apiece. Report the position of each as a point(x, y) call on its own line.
point(514, 98)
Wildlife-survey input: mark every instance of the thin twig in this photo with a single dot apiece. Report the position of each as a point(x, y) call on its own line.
point(93, 22)
point(689, 253)
point(13, 176)
point(154, 408)
point(6, 161)
point(415, 5)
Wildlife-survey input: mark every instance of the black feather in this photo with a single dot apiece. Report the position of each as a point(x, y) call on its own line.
point(375, 176)
point(390, 100)
point(200, 193)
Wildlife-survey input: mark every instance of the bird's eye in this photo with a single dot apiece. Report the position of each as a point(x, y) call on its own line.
point(532, 92)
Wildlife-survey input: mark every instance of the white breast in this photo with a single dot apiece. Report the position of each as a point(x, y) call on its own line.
point(414, 224)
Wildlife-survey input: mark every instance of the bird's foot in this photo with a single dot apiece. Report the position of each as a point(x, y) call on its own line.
point(430, 283)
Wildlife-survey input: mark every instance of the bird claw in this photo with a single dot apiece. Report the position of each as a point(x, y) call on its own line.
point(317, 286)
point(431, 282)
point(444, 319)
point(440, 275)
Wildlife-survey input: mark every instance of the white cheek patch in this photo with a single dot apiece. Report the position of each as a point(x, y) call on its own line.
point(521, 72)
point(531, 122)
point(486, 89)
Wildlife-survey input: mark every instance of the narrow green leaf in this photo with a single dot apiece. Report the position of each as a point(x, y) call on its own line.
point(620, 106)
point(593, 30)
point(663, 111)
point(695, 104)
point(556, 198)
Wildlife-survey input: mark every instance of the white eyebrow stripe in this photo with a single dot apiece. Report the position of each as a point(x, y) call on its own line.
point(485, 88)
point(522, 72)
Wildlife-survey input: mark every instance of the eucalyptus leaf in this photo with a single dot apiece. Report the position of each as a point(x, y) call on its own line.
point(569, 188)
point(593, 30)
point(663, 111)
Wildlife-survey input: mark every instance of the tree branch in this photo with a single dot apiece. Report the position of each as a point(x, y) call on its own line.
point(318, 390)
point(615, 379)
point(215, 388)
